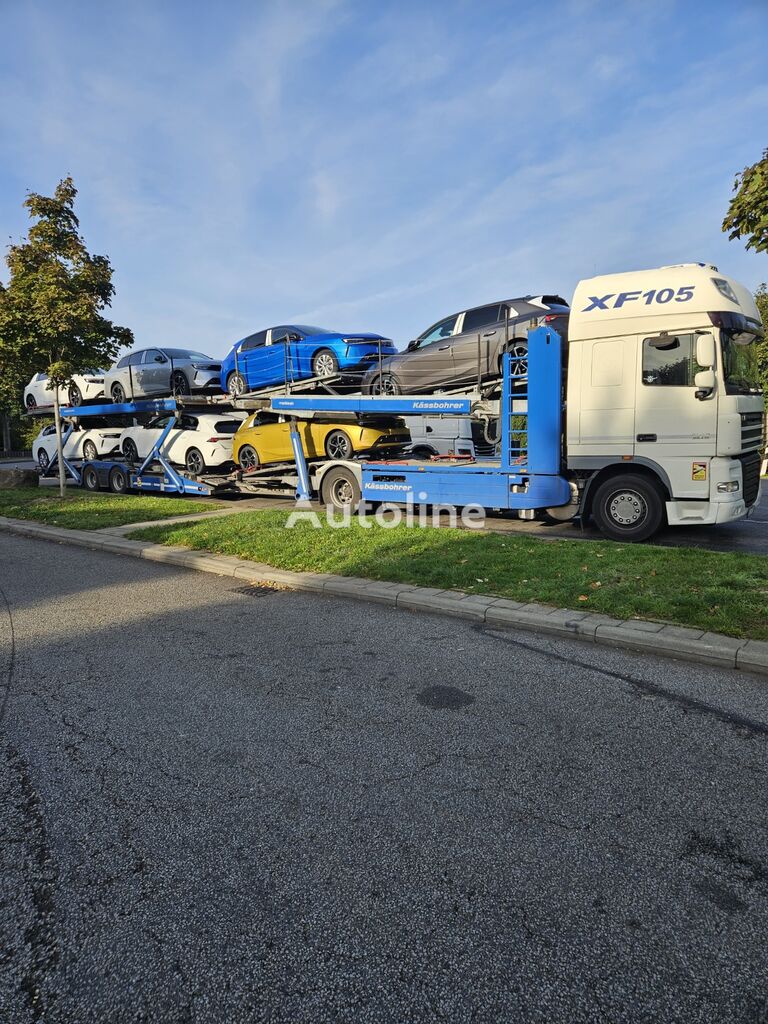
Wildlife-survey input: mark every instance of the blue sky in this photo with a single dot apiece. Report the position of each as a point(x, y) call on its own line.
point(375, 166)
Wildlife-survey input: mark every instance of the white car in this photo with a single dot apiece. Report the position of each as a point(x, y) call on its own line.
point(97, 439)
point(82, 387)
point(196, 442)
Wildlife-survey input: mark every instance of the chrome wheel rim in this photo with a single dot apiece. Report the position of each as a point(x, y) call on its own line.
point(627, 508)
point(324, 365)
point(338, 446)
point(89, 450)
point(236, 385)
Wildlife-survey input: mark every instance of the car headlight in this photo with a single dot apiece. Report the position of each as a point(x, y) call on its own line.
point(725, 289)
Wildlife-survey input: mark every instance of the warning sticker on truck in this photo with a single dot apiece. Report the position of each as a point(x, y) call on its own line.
point(699, 471)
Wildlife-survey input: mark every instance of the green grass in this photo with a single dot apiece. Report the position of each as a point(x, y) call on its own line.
point(80, 510)
point(725, 593)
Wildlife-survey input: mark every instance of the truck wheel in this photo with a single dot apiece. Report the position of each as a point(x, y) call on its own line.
point(118, 481)
point(324, 364)
point(90, 479)
point(628, 508)
point(338, 445)
point(236, 385)
point(340, 489)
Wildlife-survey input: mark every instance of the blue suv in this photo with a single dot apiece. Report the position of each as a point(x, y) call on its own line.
point(295, 352)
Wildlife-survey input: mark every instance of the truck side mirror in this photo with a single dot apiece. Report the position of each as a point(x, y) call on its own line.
point(705, 350)
point(705, 382)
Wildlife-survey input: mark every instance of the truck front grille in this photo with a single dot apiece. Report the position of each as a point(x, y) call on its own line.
point(752, 431)
point(750, 476)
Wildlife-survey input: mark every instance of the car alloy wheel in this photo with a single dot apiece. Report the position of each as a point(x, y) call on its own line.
point(31, 403)
point(325, 364)
point(236, 385)
point(195, 462)
point(519, 352)
point(386, 384)
point(130, 451)
point(42, 459)
point(118, 394)
point(338, 445)
point(75, 395)
point(179, 383)
point(248, 458)
point(90, 451)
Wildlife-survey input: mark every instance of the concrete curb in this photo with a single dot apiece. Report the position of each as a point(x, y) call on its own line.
point(647, 637)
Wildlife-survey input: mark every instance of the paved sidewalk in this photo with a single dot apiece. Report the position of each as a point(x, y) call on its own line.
point(634, 634)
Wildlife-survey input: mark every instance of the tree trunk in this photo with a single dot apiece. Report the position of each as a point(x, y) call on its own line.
point(6, 421)
point(59, 445)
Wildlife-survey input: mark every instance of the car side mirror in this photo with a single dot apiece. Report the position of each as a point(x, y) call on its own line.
point(159, 359)
point(705, 383)
point(412, 345)
point(705, 350)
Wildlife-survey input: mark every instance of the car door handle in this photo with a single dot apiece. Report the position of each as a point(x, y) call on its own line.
point(490, 334)
point(646, 437)
point(443, 348)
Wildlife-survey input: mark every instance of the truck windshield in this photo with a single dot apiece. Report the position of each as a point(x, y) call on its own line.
point(740, 363)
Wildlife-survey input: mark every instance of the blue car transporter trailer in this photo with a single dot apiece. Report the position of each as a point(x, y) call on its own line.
point(527, 475)
point(116, 474)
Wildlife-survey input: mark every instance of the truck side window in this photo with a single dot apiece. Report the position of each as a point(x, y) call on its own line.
point(670, 361)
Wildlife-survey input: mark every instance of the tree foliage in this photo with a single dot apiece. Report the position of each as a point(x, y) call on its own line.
point(51, 311)
point(748, 211)
point(761, 298)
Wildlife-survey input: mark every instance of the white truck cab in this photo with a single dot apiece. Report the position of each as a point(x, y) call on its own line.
point(663, 398)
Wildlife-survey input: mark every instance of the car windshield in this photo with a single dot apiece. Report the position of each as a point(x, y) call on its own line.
point(740, 362)
point(184, 353)
point(313, 330)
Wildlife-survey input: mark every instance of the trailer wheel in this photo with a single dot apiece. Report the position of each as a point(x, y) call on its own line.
point(248, 458)
point(195, 462)
point(118, 481)
point(340, 489)
point(324, 363)
point(90, 479)
point(629, 507)
point(338, 445)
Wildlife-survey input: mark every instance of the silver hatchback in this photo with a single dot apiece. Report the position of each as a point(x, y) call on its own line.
point(157, 372)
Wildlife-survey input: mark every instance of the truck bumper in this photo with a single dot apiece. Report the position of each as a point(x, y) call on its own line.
point(705, 513)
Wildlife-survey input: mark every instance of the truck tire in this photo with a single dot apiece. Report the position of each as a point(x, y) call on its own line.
point(118, 481)
point(90, 479)
point(628, 507)
point(340, 489)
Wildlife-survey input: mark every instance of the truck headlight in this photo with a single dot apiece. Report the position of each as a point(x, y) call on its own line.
point(727, 488)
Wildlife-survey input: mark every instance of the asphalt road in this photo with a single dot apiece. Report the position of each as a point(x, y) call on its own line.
point(253, 805)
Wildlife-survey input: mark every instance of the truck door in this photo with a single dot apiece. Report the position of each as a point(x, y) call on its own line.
point(672, 426)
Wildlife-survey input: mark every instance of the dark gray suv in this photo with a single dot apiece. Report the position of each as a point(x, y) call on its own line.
point(448, 352)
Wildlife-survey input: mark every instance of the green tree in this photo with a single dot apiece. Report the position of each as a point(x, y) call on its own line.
point(748, 211)
point(51, 311)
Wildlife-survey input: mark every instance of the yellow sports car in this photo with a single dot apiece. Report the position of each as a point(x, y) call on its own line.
point(264, 438)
